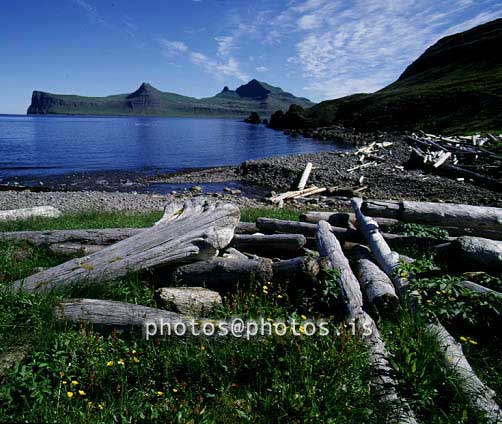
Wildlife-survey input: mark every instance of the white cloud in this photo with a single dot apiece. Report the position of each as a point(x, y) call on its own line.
point(261, 69)
point(225, 45)
point(172, 48)
point(310, 22)
point(219, 69)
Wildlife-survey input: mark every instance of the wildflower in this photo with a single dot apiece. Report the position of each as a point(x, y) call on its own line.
point(438, 292)
point(109, 363)
point(74, 382)
point(121, 362)
point(133, 352)
point(303, 317)
point(202, 347)
point(175, 390)
point(279, 296)
point(302, 329)
point(159, 393)
point(463, 338)
point(429, 301)
point(135, 359)
point(69, 394)
point(90, 405)
point(474, 342)
point(101, 405)
point(64, 382)
point(81, 393)
point(265, 289)
point(61, 373)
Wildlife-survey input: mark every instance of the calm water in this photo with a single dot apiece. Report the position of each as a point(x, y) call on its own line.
point(52, 145)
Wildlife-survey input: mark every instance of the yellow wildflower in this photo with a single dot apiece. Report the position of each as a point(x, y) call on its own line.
point(302, 329)
point(279, 296)
point(74, 382)
point(159, 393)
point(69, 394)
point(303, 317)
point(464, 339)
point(438, 292)
point(81, 393)
point(203, 347)
point(135, 359)
point(109, 363)
point(101, 405)
point(121, 362)
point(133, 352)
point(474, 342)
point(64, 382)
point(175, 390)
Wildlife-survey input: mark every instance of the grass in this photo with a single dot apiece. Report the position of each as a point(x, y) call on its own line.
point(81, 373)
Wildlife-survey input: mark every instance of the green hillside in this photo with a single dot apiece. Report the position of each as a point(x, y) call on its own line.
point(455, 86)
point(149, 101)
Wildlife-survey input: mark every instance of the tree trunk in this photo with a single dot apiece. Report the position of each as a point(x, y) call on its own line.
point(387, 259)
point(36, 212)
point(193, 301)
point(480, 396)
point(186, 233)
point(305, 176)
point(302, 268)
point(375, 284)
point(330, 248)
point(478, 288)
point(438, 214)
point(343, 219)
point(476, 253)
point(225, 274)
point(75, 249)
point(276, 244)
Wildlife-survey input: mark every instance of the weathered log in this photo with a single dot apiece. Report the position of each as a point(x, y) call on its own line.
point(330, 248)
point(387, 259)
point(269, 244)
point(193, 231)
point(476, 253)
point(375, 284)
point(114, 314)
point(480, 396)
point(478, 288)
point(343, 219)
point(437, 214)
point(224, 274)
point(232, 253)
point(75, 249)
point(305, 176)
point(93, 237)
point(270, 225)
point(36, 212)
point(302, 268)
point(193, 301)
point(246, 228)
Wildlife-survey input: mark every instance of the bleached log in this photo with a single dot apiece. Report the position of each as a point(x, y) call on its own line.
point(437, 214)
point(442, 159)
point(478, 288)
point(113, 313)
point(271, 225)
point(187, 232)
point(75, 249)
point(193, 301)
point(387, 259)
point(302, 268)
point(480, 396)
point(232, 253)
point(296, 194)
point(330, 248)
point(310, 193)
point(375, 284)
point(269, 244)
point(224, 275)
point(305, 176)
point(476, 253)
point(246, 228)
point(26, 213)
point(92, 237)
point(342, 219)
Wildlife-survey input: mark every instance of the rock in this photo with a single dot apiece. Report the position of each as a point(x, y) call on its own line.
point(196, 301)
point(254, 118)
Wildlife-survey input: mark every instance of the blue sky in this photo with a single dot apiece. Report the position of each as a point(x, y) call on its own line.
point(320, 49)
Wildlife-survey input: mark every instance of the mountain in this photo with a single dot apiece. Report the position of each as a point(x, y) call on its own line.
point(255, 96)
point(454, 86)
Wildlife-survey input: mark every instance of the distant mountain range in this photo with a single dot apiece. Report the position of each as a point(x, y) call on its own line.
point(255, 96)
point(454, 86)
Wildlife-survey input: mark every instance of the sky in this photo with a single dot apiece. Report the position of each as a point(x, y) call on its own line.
point(320, 49)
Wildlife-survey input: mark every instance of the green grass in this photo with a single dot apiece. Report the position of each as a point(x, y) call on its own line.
point(125, 378)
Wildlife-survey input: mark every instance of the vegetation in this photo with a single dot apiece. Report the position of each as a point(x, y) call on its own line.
point(77, 373)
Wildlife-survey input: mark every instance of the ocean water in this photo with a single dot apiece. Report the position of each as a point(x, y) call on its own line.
point(53, 145)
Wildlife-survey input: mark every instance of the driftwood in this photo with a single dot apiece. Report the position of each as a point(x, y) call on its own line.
point(114, 314)
point(437, 214)
point(75, 249)
point(342, 219)
point(480, 395)
point(478, 288)
point(375, 284)
point(296, 194)
point(476, 253)
point(270, 225)
point(302, 268)
point(305, 176)
point(330, 248)
point(387, 259)
point(224, 274)
point(193, 301)
point(232, 253)
point(193, 231)
point(36, 212)
point(275, 244)
point(246, 228)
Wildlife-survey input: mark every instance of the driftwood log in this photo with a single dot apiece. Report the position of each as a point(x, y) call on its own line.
point(75, 249)
point(376, 286)
point(193, 301)
point(36, 212)
point(481, 396)
point(478, 288)
point(344, 219)
point(302, 269)
point(387, 259)
point(193, 231)
point(224, 275)
point(330, 248)
point(437, 214)
point(475, 253)
point(305, 176)
point(275, 244)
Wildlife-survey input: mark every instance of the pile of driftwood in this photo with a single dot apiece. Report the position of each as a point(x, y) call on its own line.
point(465, 158)
point(208, 252)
